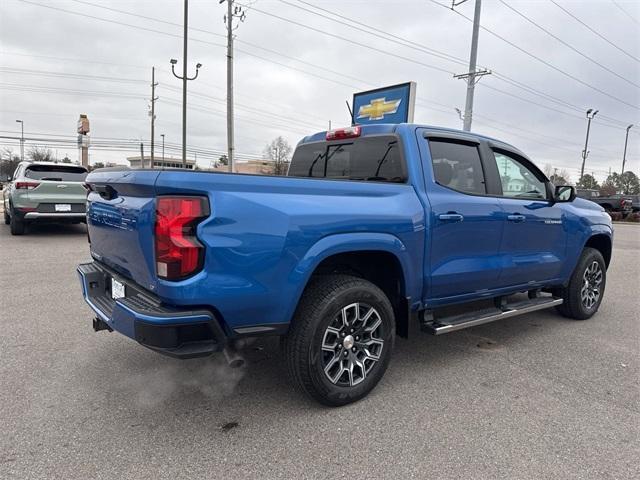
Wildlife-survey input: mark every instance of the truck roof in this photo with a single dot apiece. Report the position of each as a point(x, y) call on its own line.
point(382, 128)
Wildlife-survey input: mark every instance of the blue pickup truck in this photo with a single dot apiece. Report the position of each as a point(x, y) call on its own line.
point(377, 231)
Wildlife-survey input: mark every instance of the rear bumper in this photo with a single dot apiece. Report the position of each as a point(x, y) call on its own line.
point(142, 317)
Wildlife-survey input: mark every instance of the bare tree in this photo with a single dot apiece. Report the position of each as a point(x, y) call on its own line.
point(8, 163)
point(37, 154)
point(279, 152)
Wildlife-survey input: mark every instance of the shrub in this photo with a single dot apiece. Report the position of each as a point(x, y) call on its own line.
point(616, 216)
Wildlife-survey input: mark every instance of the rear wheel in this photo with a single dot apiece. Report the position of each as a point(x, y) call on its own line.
point(17, 226)
point(340, 340)
point(583, 295)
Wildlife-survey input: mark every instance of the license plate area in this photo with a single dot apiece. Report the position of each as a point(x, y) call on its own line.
point(117, 289)
point(63, 207)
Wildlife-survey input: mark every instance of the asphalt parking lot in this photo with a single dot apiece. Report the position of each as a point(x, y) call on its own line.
point(534, 397)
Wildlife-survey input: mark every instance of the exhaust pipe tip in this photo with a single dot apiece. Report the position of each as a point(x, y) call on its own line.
point(234, 360)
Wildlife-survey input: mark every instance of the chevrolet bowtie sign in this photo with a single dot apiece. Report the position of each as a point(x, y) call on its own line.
point(394, 104)
point(378, 108)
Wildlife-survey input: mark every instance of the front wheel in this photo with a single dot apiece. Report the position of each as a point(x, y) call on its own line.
point(340, 341)
point(584, 293)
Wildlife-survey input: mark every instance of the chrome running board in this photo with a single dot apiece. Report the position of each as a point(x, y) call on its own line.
point(439, 326)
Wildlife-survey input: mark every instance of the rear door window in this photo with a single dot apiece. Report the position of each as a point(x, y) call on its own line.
point(365, 159)
point(457, 166)
point(56, 173)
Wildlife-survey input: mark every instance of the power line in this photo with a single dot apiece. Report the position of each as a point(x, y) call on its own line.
point(533, 102)
point(633, 19)
point(68, 59)
point(35, 88)
point(352, 42)
point(517, 12)
point(138, 27)
point(297, 60)
point(594, 31)
point(376, 32)
point(497, 75)
point(544, 62)
point(25, 71)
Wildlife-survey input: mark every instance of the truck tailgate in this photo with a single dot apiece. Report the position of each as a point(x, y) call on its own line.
point(120, 220)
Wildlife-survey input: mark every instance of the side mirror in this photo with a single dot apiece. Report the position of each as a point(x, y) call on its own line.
point(564, 193)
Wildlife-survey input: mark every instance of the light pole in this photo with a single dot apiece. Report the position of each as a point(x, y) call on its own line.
point(162, 135)
point(21, 139)
point(624, 155)
point(590, 114)
point(184, 79)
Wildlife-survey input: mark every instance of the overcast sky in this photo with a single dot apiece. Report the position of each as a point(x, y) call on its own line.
point(293, 74)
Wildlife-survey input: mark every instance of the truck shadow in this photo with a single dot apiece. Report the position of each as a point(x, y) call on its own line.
point(155, 387)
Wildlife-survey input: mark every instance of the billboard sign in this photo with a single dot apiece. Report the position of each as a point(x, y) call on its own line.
point(394, 104)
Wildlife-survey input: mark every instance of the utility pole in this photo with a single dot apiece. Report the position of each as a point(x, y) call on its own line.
point(590, 114)
point(21, 139)
point(473, 75)
point(153, 111)
point(162, 135)
point(141, 155)
point(233, 11)
point(624, 155)
point(184, 79)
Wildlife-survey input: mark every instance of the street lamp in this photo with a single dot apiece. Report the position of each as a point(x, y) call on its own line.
point(162, 135)
point(624, 155)
point(184, 79)
point(21, 139)
point(590, 114)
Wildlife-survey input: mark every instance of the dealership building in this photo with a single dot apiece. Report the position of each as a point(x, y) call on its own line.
point(159, 162)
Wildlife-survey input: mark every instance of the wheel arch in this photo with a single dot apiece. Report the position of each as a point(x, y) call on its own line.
point(603, 243)
point(380, 258)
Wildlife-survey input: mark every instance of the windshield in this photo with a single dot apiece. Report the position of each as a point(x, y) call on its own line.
point(56, 173)
point(366, 159)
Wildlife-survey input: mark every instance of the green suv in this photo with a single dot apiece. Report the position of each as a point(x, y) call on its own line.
point(44, 192)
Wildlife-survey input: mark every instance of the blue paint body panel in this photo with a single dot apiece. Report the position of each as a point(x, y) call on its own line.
point(266, 235)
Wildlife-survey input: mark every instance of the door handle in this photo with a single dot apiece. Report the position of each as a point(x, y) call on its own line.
point(450, 217)
point(516, 218)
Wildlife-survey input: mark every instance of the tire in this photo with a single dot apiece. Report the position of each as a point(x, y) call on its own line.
point(588, 278)
point(321, 372)
point(17, 226)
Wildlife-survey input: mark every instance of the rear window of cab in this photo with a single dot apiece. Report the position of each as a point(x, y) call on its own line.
point(374, 158)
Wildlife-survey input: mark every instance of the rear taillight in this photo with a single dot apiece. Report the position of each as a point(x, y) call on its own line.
point(179, 254)
point(26, 185)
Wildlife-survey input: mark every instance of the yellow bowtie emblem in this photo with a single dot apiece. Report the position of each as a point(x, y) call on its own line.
point(378, 108)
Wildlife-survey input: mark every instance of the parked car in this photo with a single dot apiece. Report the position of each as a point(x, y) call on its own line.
point(635, 202)
point(44, 192)
point(376, 231)
point(611, 203)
